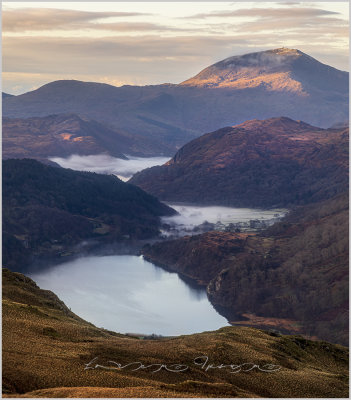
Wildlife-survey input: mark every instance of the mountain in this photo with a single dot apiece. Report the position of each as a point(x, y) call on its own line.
point(274, 162)
point(65, 134)
point(293, 277)
point(46, 348)
point(5, 95)
point(128, 109)
point(279, 70)
point(48, 211)
point(257, 85)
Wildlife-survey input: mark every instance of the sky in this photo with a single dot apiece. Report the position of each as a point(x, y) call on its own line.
point(146, 43)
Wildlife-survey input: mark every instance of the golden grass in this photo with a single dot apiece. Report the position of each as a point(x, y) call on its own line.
point(45, 352)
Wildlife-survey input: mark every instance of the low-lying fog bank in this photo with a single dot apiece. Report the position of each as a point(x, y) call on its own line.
point(105, 164)
point(194, 219)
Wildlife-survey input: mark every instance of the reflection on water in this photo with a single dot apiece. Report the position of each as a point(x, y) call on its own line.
point(129, 294)
point(105, 164)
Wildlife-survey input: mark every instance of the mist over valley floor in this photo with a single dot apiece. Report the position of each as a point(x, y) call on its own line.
point(106, 164)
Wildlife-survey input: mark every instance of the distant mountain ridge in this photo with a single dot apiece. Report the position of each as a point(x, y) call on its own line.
point(274, 162)
point(257, 85)
point(4, 95)
point(65, 134)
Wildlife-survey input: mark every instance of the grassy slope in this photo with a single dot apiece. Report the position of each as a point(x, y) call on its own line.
point(45, 347)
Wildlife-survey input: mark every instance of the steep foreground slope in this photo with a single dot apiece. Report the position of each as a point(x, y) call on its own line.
point(65, 134)
point(47, 211)
point(274, 162)
point(46, 349)
point(256, 85)
point(293, 276)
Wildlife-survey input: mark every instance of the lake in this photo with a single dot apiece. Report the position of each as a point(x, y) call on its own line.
point(127, 294)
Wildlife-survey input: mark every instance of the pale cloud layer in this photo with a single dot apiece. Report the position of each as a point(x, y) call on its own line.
point(264, 12)
point(39, 19)
point(139, 46)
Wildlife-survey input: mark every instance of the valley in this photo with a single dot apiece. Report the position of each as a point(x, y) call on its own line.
point(277, 273)
point(124, 168)
point(162, 224)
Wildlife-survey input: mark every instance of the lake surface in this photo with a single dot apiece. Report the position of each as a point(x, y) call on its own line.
point(105, 164)
point(127, 294)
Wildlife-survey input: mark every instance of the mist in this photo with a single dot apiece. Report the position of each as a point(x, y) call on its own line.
point(105, 164)
point(198, 219)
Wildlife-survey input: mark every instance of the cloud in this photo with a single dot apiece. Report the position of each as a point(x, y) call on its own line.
point(154, 50)
point(29, 20)
point(136, 26)
point(271, 13)
point(330, 27)
point(301, 20)
point(33, 61)
point(38, 19)
point(42, 54)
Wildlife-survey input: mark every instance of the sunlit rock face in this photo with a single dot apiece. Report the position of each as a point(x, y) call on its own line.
point(279, 70)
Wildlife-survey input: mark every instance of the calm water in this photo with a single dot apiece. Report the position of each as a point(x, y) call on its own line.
point(130, 295)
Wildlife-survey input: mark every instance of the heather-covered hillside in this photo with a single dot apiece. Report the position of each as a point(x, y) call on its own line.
point(260, 163)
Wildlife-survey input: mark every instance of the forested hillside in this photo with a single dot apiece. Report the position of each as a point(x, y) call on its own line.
point(47, 210)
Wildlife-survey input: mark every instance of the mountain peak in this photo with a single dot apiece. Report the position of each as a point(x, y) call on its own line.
point(279, 70)
point(275, 57)
point(279, 124)
point(285, 51)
